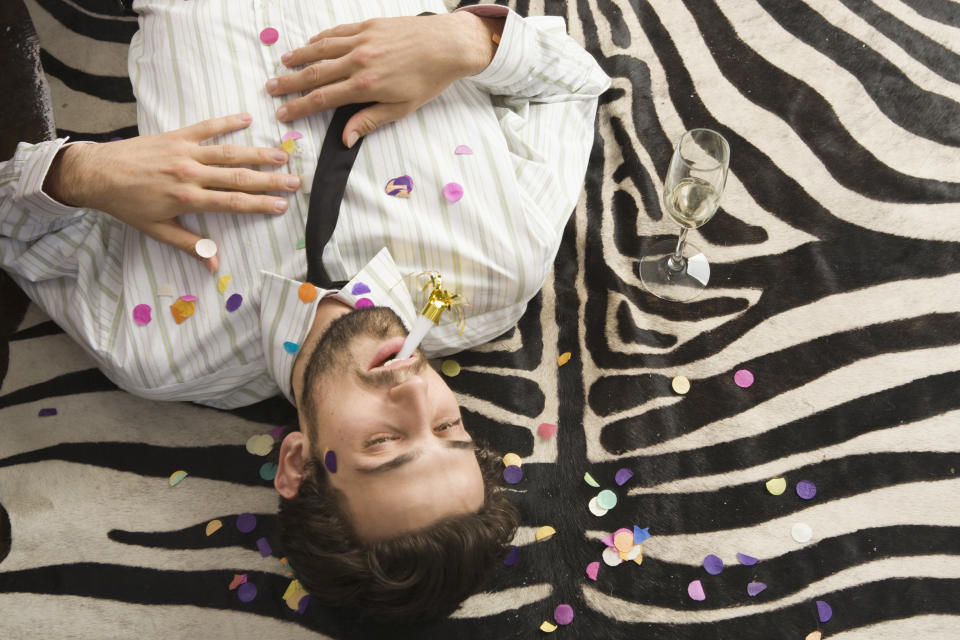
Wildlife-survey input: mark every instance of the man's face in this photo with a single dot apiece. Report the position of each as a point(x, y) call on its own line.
point(404, 459)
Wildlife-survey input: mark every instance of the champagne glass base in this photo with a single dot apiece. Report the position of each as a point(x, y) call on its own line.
point(675, 285)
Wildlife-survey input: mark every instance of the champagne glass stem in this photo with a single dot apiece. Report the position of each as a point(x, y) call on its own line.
point(677, 262)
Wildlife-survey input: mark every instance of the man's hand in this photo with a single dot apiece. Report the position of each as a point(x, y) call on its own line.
point(148, 181)
point(398, 63)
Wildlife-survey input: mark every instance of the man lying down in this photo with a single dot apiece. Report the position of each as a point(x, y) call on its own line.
point(461, 150)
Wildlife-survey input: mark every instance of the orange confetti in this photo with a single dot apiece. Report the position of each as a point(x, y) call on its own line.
point(563, 359)
point(307, 292)
point(182, 309)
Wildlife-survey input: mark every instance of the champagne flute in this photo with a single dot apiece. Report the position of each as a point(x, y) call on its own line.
point(691, 194)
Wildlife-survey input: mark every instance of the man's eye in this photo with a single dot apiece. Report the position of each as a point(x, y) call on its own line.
point(372, 442)
point(445, 426)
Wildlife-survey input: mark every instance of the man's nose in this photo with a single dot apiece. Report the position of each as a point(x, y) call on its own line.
point(411, 398)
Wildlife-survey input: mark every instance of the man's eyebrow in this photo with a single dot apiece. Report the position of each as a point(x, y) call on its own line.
point(405, 458)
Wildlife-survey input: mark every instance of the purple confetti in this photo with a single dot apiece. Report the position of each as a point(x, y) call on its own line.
point(49, 411)
point(512, 557)
point(360, 288)
point(400, 187)
point(277, 432)
point(563, 614)
point(513, 474)
point(713, 564)
point(753, 588)
point(330, 461)
point(247, 592)
point(302, 605)
point(263, 546)
point(233, 302)
point(246, 522)
point(806, 489)
point(639, 535)
point(745, 560)
point(622, 476)
point(824, 611)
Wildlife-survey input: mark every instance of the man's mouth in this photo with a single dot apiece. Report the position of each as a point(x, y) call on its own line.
point(384, 358)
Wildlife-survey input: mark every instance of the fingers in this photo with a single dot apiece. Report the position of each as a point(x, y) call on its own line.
point(197, 200)
point(327, 47)
point(366, 120)
point(171, 233)
point(314, 76)
point(215, 126)
point(328, 97)
point(237, 154)
point(248, 180)
point(340, 31)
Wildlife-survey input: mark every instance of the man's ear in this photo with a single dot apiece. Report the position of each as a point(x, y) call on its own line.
point(293, 457)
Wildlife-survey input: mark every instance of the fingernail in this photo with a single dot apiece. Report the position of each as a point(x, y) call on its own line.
point(272, 84)
point(282, 113)
point(279, 156)
point(246, 117)
point(352, 139)
point(287, 57)
point(280, 205)
point(292, 182)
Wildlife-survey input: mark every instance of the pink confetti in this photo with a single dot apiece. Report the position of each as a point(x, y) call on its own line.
point(452, 192)
point(269, 36)
point(695, 591)
point(363, 302)
point(547, 430)
point(608, 540)
point(291, 135)
point(743, 378)
point(277, 432)
point(463, 150)
point(563, 614)
point(141, 314)
point(592, 570)
point(188, 298)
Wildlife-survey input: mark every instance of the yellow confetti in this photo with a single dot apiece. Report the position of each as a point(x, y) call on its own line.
point(450, 368)
point(176, 477)
point(287, 145)
point(260, 445)
point(512, 459)
point(776, 486)
point(545, 532)
point(681, 384)
point(213, 526)
point(814, 635)
point(589, 480)
point(563, 359)
point(548, 627)
point(223, 282)
point(294, 594)
point(182, 309)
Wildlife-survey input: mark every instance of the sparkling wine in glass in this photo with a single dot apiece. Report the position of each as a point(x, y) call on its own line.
point(691, 194)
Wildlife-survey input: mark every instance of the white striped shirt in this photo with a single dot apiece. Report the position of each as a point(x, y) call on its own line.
point(528, 118)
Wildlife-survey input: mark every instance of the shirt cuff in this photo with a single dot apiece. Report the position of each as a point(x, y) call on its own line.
point(508, 66)
point(34, 171)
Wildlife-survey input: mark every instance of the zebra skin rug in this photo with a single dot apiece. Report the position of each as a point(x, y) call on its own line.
point(836, 282)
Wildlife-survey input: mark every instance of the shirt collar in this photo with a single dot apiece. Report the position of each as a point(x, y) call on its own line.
point(286, 318)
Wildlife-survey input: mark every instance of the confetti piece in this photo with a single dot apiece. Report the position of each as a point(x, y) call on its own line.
point(234, 302)
point(247, 592)
point(745, 560)
point(269, 36)
point(635, 554)
point(291, 135)
point(814, 635)
point(400, 187)
point(246, 522)
point(512, 556)
point(743, 378)
point(177, 477)
point(611, 557)
point(592, 570)
point(363, 302)
point(753, 588)
point(141, 314)
point(801, 532)
point(695, 591)
point(450, 368)
point(189, 298)
point(513, 474)
point(238, 579)
point(166, 290)
point(330, 461)
point(609, 539)
point(213, 526)
point(563, 614)
point(288, 145)
point(301, 243)
point(563, 359)
point(512, 459)
point(824, 611)
point(452, 192)
point(622, 476)
point(302, 605)
point(268, 471)
point(595, 508)
point(49, 411)
point(639, 535)
point(806, 489)
point(263, 546)
point(277, 432)
point(260, 445)
point(223, 282)
point(359, 288)
point(205, 248)
point(545, 532)
point(307, 292)
point(463, 150)
point(590, 481)
point(547, 430)
point(623, 541)
point(293, 594)
point(713, 564)
point(776, 486)
point(182, 309)
point(607, 499)
point(291, 347)
point(680, 384)
point(547, 627)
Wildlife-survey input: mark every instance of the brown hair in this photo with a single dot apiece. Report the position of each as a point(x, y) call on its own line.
point(413, 576)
